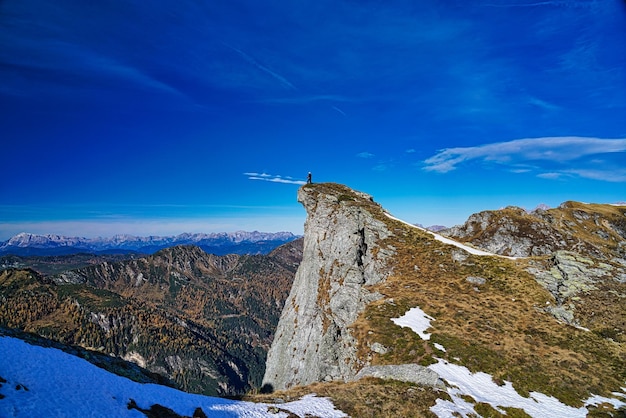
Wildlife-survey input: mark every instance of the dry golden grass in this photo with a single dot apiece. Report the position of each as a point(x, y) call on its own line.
point(366, 398)
point(498, 328)
point(323, 297)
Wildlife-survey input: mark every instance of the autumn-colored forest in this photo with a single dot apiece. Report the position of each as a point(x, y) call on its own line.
point(203, 321)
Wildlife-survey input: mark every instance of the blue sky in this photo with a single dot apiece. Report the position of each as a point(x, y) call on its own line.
point(197, 116)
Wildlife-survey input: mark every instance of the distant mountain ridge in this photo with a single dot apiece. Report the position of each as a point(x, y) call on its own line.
point(219, 243)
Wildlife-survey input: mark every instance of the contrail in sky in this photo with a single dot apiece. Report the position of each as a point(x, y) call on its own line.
point(339, 110)
point(263, 68)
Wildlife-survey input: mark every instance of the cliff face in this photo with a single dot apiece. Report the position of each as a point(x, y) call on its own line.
point(344, 252)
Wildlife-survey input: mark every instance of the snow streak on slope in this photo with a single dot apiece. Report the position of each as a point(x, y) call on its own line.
point(46, 382)
point(481, 387)
point(449, 241)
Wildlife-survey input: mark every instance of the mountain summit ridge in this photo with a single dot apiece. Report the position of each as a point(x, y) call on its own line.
point(597, 229)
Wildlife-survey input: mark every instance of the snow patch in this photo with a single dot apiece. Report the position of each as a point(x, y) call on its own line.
point(481, 387)
point(598, 400)
point(417, 320)
point(440, 347)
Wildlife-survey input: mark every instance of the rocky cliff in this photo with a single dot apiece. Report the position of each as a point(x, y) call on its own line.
point(345, 252)
point(592, 229)
point(377, 301)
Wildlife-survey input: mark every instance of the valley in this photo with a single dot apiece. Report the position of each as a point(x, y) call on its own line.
point(201, 320)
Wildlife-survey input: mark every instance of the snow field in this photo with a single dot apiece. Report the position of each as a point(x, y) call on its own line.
point(49, 382)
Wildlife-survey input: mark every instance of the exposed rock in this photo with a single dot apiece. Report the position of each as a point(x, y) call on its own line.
point(379, 348)
point(411, 373)
point(580, 250)
point(135, 357)
point(476, 280)
point(511, 232)
point(569, 275)
point(459, 255)
point(596, 230)
point(343, 254)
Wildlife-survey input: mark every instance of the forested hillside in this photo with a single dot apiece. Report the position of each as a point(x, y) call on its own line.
point(204, 321)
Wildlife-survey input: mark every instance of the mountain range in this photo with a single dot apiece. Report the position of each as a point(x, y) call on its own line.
point(221, 243)
point(202, 321)
point(510, 314)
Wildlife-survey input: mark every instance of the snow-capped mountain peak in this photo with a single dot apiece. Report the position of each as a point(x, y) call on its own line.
point(125, 242)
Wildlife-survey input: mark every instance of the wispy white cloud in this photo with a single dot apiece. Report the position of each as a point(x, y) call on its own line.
point(616, 175)
point(534, 101)
point(518, 152)
point(274, 178)
point(81, 62)
point(613, 175)
point(365, 154)
point(551, 175)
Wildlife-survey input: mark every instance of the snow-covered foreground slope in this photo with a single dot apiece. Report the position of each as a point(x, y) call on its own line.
point(46, 382)
point(481, 387)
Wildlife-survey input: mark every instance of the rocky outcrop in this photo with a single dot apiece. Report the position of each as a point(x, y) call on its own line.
point(344, 252)
point(510, 232)
point(579, 252)
point(592, 229)
point(569, 276)
point(411, 373)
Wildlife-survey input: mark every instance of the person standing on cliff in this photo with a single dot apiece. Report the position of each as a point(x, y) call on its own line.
point(308, 179)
